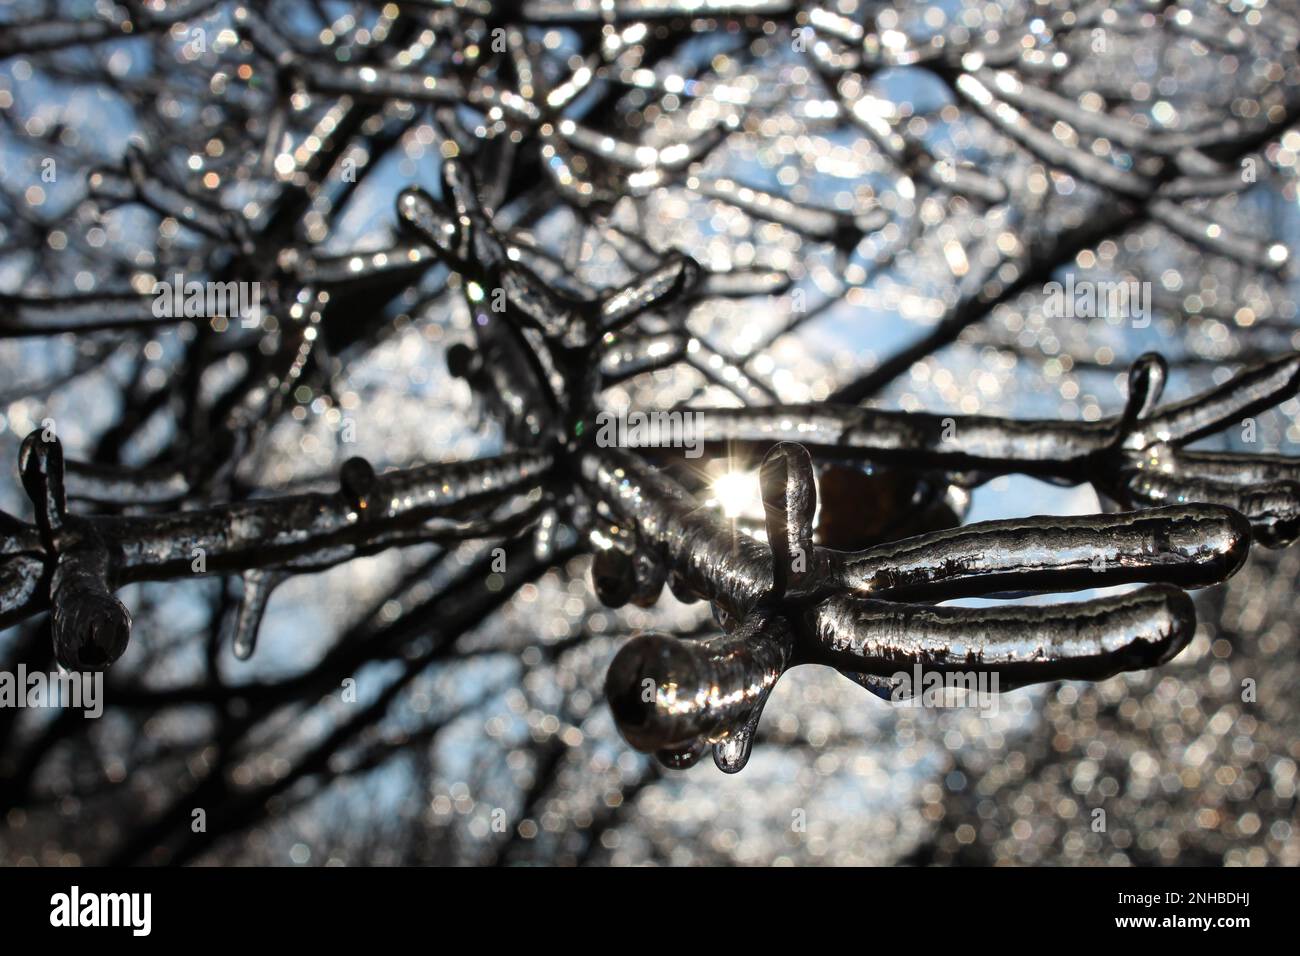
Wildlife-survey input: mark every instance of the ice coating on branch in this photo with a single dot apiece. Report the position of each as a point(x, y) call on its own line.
point(446, 502)
point(666, 692)
point(46, 315)
point(1021, 644)
point(90, 627)
point(789, 495)
point(1046, 146)
point(1144, 440)
point(1191, 546)
point(1214, 237)
point(596, 132)
point(870, 614)
point(844, 229)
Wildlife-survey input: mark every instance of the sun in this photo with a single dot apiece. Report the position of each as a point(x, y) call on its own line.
point(738, 493)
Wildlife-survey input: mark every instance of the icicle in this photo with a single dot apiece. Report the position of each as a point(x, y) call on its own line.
point(40, 466)
point(622, 568)
point(258, 586)
point(732, 755)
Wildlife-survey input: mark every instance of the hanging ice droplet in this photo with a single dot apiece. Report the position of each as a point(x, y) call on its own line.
point(684, 757)
point(731, 755)
point(356, 480)
point(544, 535)
point(258, 585)
point(612, 577)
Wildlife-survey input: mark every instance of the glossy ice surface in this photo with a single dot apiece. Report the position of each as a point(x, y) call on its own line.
point(825, 232)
